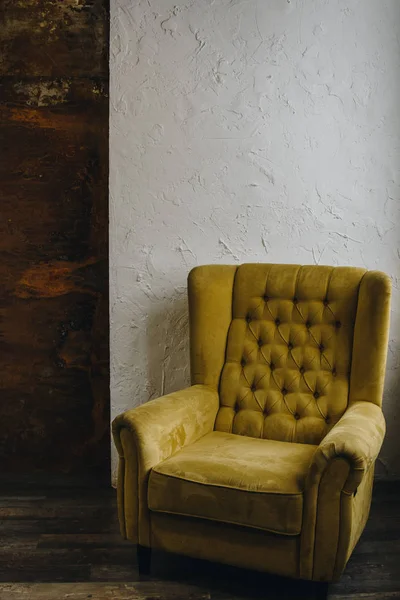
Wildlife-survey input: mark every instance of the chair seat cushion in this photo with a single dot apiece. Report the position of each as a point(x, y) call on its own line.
point(225, 477)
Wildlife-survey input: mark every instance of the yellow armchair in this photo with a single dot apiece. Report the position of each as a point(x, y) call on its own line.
point(267, 460)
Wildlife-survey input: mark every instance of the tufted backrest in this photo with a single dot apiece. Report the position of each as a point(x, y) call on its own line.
point(288, 352)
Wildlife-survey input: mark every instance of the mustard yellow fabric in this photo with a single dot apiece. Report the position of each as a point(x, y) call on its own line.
point(210, 315)
point(283, 357)
point(357, 437)
point(371, 337)
point(147, 435)
point(342, 466)
point(286, 374)
point(235, 479)
point(229, 544)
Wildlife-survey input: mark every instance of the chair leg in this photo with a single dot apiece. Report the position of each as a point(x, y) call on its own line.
point(144, 559)
point(321, 591)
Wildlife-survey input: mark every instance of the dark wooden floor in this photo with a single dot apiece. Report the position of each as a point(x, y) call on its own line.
point(59, 544)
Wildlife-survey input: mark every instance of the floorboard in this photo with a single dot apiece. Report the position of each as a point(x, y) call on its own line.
point(65, 544)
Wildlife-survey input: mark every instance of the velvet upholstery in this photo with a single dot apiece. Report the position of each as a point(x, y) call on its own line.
point(286, 373)
point(230, 544)
point(267, 461)
point(235, 479)
point(147, 435)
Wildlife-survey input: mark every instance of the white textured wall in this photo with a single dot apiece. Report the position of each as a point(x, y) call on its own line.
point(246, 131)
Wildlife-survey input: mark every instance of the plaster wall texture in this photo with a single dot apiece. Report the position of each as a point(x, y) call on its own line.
point(243, 131)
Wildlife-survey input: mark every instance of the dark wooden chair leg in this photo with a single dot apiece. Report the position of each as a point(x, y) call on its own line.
point(322, 590)
point(144, 559)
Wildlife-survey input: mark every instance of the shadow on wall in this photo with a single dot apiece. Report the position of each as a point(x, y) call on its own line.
point(168, 367)
point(384, 468)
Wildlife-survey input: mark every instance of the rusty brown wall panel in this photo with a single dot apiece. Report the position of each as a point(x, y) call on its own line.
point(54, 346)
point(55, 38)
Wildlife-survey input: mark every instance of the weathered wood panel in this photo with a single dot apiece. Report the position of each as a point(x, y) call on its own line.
point(54, 369)
point(54, 38)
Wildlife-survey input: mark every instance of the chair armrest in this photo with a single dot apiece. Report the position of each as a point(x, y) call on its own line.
point(357, 438)
point(149, 434)
point(162, 427)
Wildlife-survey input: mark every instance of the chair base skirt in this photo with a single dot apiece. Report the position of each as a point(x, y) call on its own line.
point(229, 544)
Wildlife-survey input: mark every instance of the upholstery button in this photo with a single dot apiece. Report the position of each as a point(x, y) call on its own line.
point(316, 395)
point(243, 362)
point(296, 416)
point(290, 345)
point(265, 298)
point(321, 347)
point(338, 324)
point(295, 300)
point(248, 318)
point(272, 366)
point(253, 387)
point(334, 372)
point(284, 391)
point(327, 420)
point(308, 324)
point(260, 343)
point(302, 370)
point(277, 322)
point(326, 302)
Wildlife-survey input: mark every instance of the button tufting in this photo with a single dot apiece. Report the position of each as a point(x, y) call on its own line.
point(302, 370)
point(327, 420)
point(284, 391)
point(316, 395)
point(308, 324)
point(272, 366)
point(295, 300)
point(334, 372)
point(277, 322)
point(253, 387)
point(265, 298)
point(296, 416)
point(338, 324)
point(290, 345)
point(326, 302)
point(260, 343)
point(243, 362)
point(321, 347)
point(248, 318)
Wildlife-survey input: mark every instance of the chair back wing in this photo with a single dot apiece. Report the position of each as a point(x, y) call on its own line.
point(210, 314)
point(371, 338)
